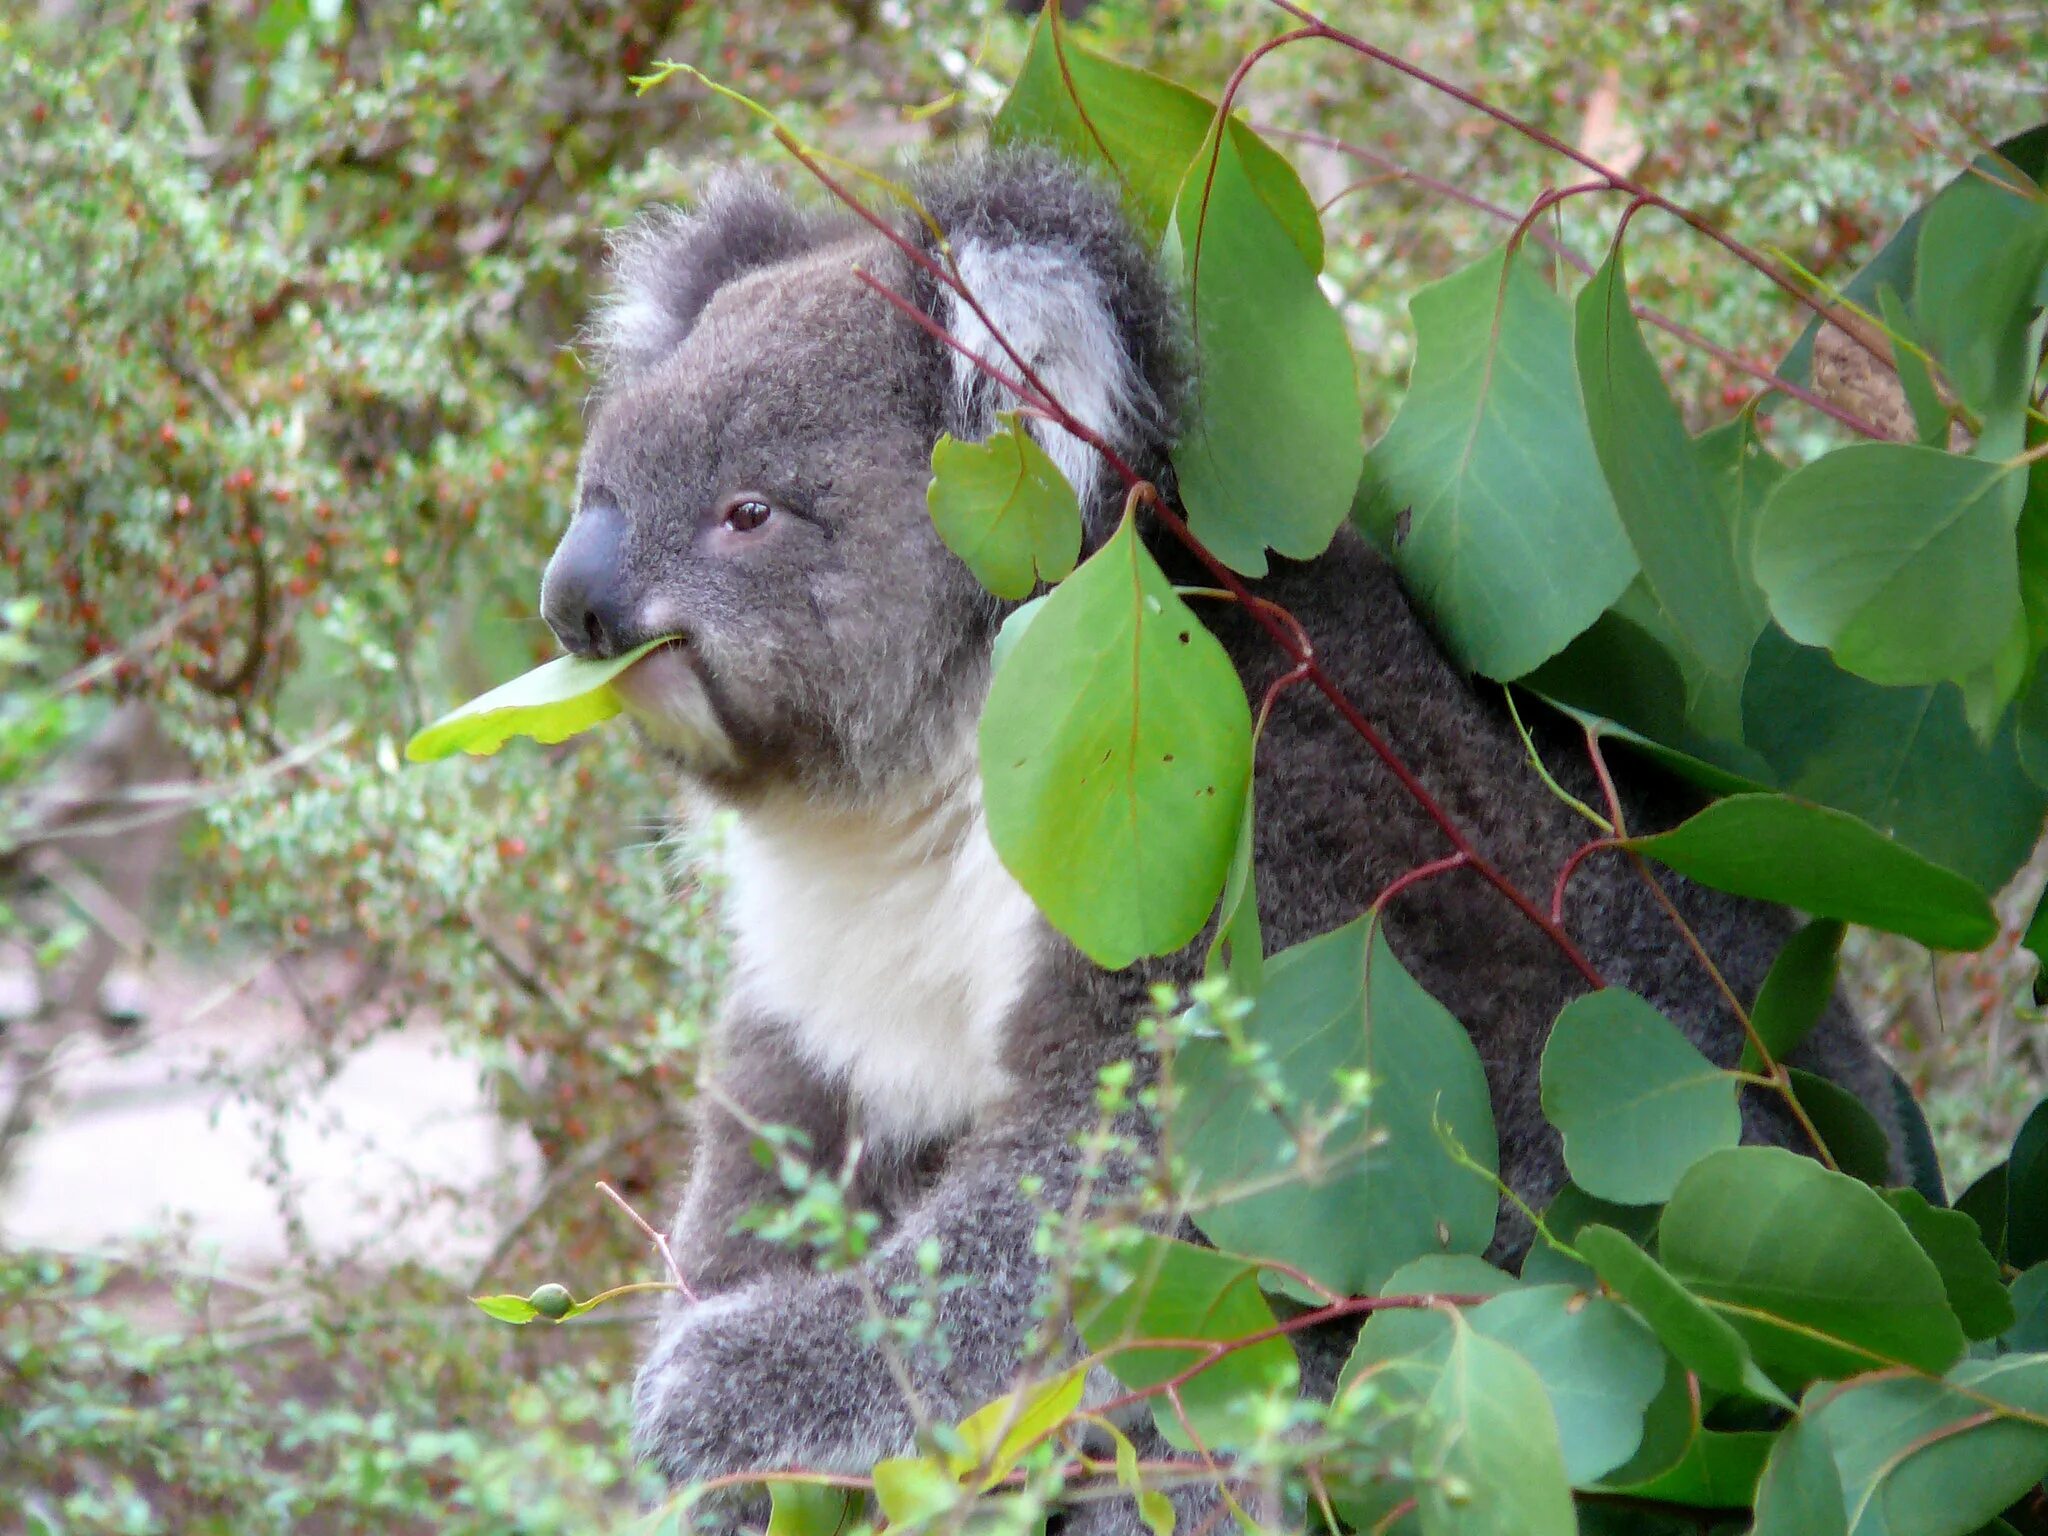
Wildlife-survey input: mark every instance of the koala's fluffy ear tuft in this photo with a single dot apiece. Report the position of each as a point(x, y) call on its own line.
point(666, 265)
point(1048, 253)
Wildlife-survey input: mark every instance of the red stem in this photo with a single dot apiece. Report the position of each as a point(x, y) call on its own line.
point(1417, 875)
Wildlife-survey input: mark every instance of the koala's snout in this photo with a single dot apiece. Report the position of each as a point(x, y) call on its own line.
point(585, 595)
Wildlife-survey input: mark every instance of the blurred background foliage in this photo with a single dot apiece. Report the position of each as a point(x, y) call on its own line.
point(289, 411)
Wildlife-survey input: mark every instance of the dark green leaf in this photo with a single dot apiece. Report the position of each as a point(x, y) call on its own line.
point(1984, 1203)
point(1388, 1190)
point(1635, 1101)
point(1905, 760)
point(1272, 452)
point(1930, 416)
point(1969, 1274)
point(1004, 507)
point(1486, 488)
point(1718, 1471)
point(1570, 1210)
point(1812, 1268)
point(1145, 129)
point(2029, 1296)
point(1827, 863)
point(2026, 1229)
point(1115, 749)
point(1681, 528)
point(1800, 983)
point(1705, 1344)
point(1851, 1133)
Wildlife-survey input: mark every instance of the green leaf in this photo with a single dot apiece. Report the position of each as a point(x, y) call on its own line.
point(1702, 1341)
point(1238, 949)
point(1934, 1458)
point(551, 703)
point(1930, 416)
point(1144, 129)
point(913, 1489)
point(1847, 1128)
point(1824, 862)
point(1154, 1507)
point(1800, 1493)
point(1487, 1460)
point(1800, 984)
point(1004, 507)
point(506, 1309)
point(2029, 1296)
point(1982, 251)
point(1718, 1471)
point(1984, 1202)
point(1179, 1291)
point(998, 1433)
point(808, 1509)
point(1679, 524)
point(1115, 750)
point(1905, 760)
point(1272, 450)
point(1899, 559)
point(2026, 1183)
point(1599, 1367)
point(1812, 1268)
point(1388, 1190)
point(1745, 473)
point(1486, 489)
point(1570, 1211)
point(1013, 627)
point(1635, 1101)
point(1970, 1276)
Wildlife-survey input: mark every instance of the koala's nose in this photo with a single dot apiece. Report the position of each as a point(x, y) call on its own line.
point(584, 595)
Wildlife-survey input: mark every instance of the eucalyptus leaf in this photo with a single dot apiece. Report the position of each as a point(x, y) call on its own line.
point(1486, 488)
point(1270, 456)
point(1115, 750)
point(1853, 1137)
point(551, 703)
point(1487, 1458)
point(1969, 1274)
point(1636, 1102)
point(1796, 991)
point(1003, 506)
point(1812, 1268)
point(808, 1509)
point(1800, 1492)
point(1827, 863)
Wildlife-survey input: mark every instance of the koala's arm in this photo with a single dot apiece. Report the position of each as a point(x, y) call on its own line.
point(784, 1372)
point(756, 1080)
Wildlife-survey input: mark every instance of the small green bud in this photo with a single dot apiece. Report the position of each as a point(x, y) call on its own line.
point(551, 1301)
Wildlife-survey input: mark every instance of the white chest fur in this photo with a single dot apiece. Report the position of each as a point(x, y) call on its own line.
point(895, 945)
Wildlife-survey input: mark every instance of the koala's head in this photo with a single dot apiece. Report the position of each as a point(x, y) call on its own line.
point(753, 479)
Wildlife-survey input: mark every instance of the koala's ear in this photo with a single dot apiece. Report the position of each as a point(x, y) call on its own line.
point(1060, 311)
point(666, 265)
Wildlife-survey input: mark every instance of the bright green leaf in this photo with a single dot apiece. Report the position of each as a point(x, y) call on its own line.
point(1930, 416)
point(1812, 1268)
point(1827, 863)
point(1272, 450)
point(1115, 750)
point(1388, 1190)
point(551, 703)
point(506, 1309)
point(1635, 1101)
point(1238, 948)
point(1899, 559)
point(1486, 489)
point(913, 1489)
point(996, 1434)
point(1004, 507)
point(808, 1509)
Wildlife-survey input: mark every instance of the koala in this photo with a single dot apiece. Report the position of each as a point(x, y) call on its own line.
point(753, 491)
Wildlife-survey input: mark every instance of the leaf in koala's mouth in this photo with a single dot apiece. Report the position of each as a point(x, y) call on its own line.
point(550, 703)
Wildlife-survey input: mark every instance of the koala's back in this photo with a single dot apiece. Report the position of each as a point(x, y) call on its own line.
point(1335, 828)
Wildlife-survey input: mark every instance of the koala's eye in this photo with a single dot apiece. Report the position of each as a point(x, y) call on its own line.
point(743, 514)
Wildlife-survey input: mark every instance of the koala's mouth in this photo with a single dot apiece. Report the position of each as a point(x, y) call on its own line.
point(665, 693)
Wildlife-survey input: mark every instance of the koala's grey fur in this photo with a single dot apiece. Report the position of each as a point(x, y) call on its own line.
point(892, 984)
